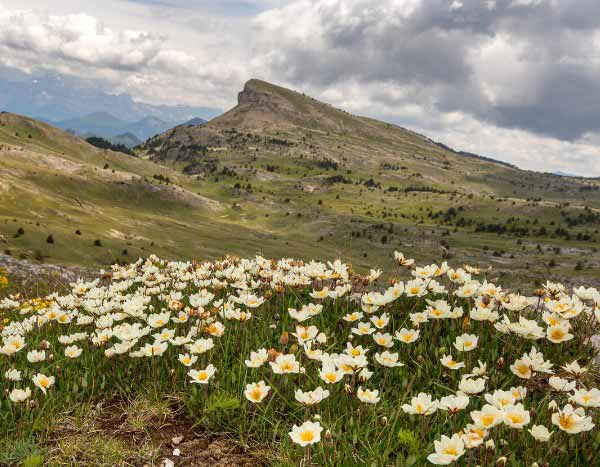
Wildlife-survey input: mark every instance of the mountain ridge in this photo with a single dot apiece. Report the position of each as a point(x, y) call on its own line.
point(269, 109)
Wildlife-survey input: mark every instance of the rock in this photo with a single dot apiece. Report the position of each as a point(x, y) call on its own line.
point(177, 440)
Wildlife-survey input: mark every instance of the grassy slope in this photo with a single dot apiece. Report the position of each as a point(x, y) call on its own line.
point(289, 210)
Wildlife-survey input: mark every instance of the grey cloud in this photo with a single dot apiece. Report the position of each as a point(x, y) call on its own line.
point(436, 47)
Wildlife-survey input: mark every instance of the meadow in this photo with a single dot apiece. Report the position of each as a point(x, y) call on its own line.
point(301, 363)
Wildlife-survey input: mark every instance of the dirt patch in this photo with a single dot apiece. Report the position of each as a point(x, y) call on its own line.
point(114, 233)
point(45, 160)
point(172, 437)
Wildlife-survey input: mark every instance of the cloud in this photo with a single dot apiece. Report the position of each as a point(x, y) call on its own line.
point(530, 65)
point(140, 62)
point(77, 37)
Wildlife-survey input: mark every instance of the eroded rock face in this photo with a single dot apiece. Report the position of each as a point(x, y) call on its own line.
point(250, 95)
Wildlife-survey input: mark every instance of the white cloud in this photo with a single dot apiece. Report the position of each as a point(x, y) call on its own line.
point(76, 37)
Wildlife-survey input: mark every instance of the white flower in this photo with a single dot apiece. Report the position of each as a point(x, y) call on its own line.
point(380, 321)
point(449, 362)
point(311, 397)
point(561, 384)
point(454, 403)
point(36, 356)
point(500, 398)
point(540, 433)
point(73, 351)
point(42, 381)
point(19, 395)
point(187, 359)
point(306, 434)
point(285, 364)
point(13, 375)
point(257, 358)
point(572, 420)
point(202, 376)
point(585, 398)
point(466, 342)
point(471, 386)
point(201, 345)
point(447, 450)
point(515, 416)
point(388, 359)
point(574, 368)
point(489, 416)
point(330, 374)
point(256, 392)
point(407, 336)
point(422, 404)
point(384, 340)
point(368, 396)
point(559, 333)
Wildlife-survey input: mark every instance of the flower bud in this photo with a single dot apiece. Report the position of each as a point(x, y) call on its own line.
point(489, 444)
point(285, 338)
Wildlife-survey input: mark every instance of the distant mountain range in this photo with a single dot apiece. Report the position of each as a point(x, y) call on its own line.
point(86, 108)
point(120, 131)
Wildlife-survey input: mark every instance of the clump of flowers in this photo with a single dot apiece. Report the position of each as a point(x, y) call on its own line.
point(441, 362)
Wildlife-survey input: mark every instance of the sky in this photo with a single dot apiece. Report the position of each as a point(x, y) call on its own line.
point(516, 80)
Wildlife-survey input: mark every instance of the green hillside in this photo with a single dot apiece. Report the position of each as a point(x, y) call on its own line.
point(285, 175)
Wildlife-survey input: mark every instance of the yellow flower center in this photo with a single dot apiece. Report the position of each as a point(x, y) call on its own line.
point(331, 377)
point(450, 451)
point(202, 376)
point(256, 394)
point(566, 421)
point(307, 436)
point(516, 418)
point(287, 366)
point(487, 419)
point(44, 382)
point(557, 334)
